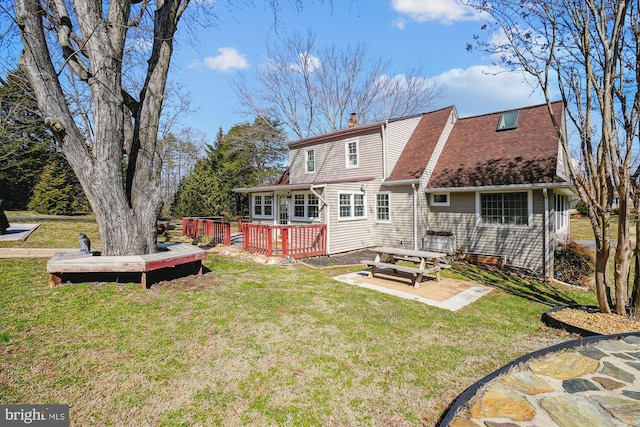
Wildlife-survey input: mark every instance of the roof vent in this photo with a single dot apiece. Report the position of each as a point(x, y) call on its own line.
point(353, 120)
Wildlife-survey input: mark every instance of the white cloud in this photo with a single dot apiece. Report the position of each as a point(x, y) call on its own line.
point(308, 62)
point(484, 89)
point(227, 59)
point(445, 11)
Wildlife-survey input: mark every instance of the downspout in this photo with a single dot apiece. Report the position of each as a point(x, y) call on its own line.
point(545, 253)
point(313, 190)
point(415, 216)
point(384, 149)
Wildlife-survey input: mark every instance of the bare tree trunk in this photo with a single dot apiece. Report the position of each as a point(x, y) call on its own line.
point(622, 255)
point(126, 204)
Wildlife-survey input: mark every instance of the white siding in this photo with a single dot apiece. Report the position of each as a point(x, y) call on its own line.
point(399, 230)
point(398, 134)
point(349, 234)
point(330, 160)
point(522, 247)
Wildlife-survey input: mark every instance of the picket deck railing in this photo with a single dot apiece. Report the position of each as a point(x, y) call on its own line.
point(217, 229)
point(297, 241)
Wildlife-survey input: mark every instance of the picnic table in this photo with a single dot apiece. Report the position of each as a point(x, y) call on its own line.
point(428, 262)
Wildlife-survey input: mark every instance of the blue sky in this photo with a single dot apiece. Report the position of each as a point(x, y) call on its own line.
point(410, 33)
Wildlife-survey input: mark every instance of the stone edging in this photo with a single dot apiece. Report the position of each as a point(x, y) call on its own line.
point(469, 393)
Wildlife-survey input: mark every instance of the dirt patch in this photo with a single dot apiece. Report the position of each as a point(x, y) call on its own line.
point(596, 321)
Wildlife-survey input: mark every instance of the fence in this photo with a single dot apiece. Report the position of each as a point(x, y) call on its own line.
point(298, 241)
point(216, 228)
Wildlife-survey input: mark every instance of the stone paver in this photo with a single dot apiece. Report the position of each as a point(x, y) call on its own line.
point(596, 384)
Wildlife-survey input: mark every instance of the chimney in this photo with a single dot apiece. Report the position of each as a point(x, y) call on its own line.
point(353, 120)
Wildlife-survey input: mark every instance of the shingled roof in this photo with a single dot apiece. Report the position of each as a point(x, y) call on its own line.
point(477, 155)
point(413, 159)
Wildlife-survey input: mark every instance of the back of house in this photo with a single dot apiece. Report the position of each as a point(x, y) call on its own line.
point(496, 182)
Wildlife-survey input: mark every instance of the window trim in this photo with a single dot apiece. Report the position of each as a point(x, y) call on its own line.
point(306, 161)
point(347, 154)
point(263, 204)
point(306, 206)
point(432, 202)
point(351, 216)
point(480, 223)
point(388, 194)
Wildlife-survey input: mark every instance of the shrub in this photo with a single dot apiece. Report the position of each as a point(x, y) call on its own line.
point(574, 263)
point(581, 208)
point(58, 192)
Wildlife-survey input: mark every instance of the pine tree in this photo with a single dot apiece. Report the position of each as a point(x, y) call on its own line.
point(53, 194)
point(26, 145)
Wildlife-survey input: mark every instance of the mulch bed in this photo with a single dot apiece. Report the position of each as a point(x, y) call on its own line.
point(349, 258)
point(595, 321)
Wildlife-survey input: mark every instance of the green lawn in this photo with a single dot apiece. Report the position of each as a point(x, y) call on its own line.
point(251, 344)
point(581, 229)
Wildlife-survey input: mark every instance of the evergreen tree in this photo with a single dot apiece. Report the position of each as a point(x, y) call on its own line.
point(58, 192)
point(26, 145)
point(53, 194)
point(248, 155)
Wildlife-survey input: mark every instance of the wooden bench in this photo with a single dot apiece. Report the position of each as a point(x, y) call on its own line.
point(171, 255)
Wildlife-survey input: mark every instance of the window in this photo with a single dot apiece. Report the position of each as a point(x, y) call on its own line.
point(310, 164)
point(562, 212)
point(439, 199)
point(352, 206)
point(382, 207)
point(263, 205)
point(509, 209)
point(305, 206)
point(312, 206)
point(508, 120)
point(351, 150)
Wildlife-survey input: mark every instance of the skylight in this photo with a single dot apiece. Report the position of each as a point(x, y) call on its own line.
point(508, 120)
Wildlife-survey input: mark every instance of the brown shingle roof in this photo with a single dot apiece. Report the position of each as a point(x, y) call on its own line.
point(416, 154)
point(477, 155)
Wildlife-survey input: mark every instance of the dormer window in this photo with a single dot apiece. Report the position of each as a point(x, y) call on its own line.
point(508, 120)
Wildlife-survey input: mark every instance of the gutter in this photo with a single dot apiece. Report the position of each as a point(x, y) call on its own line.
point(541, 186)
point(400, 182)
point(313, 190)
point(383, 129)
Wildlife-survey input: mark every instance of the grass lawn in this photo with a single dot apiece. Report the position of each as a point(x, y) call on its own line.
point(252, 344)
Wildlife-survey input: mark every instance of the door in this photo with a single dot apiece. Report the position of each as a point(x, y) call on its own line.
point(283, 210)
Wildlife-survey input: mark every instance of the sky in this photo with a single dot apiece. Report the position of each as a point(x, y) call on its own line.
point(432, 34)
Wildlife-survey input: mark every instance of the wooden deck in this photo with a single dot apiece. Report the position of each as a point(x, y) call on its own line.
point(171, 256)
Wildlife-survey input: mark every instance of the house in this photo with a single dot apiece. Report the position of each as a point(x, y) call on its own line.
point(498, 182)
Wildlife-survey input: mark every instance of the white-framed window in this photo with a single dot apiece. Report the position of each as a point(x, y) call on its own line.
point(383, 207)
point(352, 206)
point(439, 199)
point(305, 206)
point(310, 161)
point(512, 209)
point(562, 212)
point(351, 153)
point(263, 205)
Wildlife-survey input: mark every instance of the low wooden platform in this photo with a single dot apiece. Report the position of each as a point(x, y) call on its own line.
point(167, 257)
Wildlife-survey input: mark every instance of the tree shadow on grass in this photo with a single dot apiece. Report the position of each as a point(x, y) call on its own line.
point(153, 277)
point(530, 289)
